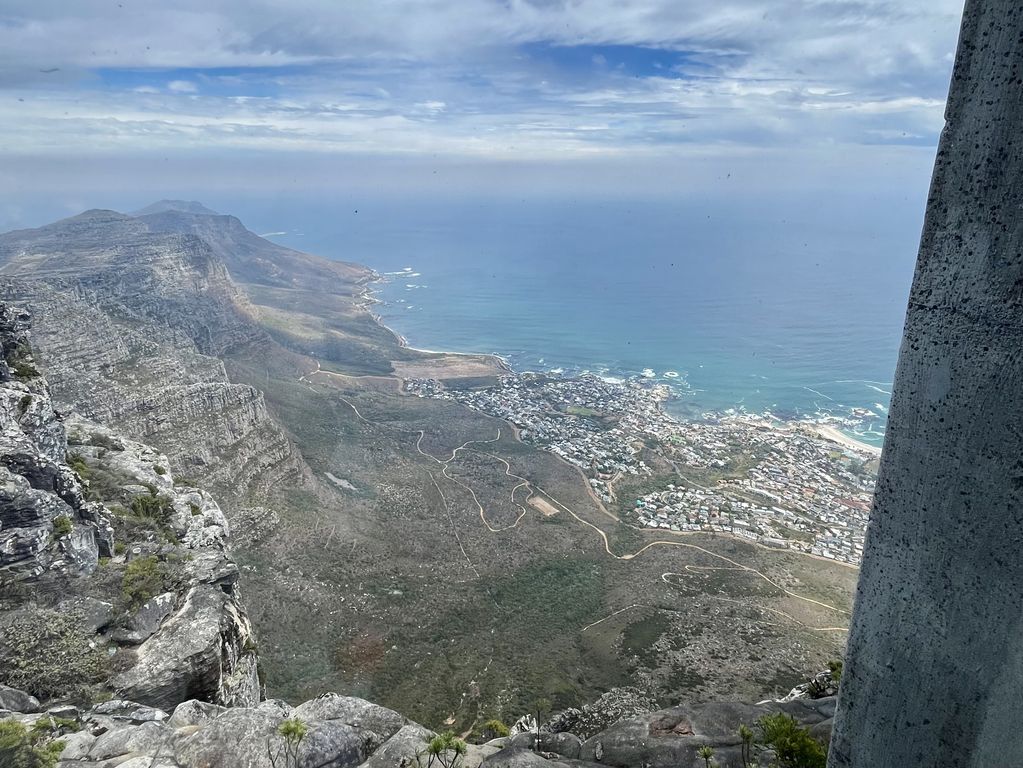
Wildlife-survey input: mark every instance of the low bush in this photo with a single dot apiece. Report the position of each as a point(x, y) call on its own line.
point(143, 578)
point(793, 744)
point(24, 748)
point(47, 653)
point(62, 526)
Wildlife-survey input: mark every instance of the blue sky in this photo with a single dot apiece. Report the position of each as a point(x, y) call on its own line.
point(641, 97)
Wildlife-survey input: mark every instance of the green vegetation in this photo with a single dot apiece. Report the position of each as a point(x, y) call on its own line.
point(445, 749)
point(24, 403)
point(706, 752)
point(62, 526)
point(47, 653)
point(143, 578)
point(793, 745)
point(160, 470)
point(51, 725)
point(493, 729)
point(291, 731)
point(153, 507)
point(746, 737)
point(24, 748)
point(835, 668)
point(639, 637)
point(77, 463)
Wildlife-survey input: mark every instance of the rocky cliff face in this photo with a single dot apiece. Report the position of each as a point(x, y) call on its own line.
point(114, 578)
point(129, 324)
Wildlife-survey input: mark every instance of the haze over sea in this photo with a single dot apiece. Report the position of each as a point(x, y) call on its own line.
point(764, 307)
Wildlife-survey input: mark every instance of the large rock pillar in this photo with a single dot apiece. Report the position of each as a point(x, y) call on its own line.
point(934, 671)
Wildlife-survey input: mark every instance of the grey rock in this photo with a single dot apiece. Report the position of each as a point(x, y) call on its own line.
point(17, 701)
point(193, 712)
point(194, 655)
point(401, 748)
point(64, 711)
point(236, 739)
point(130, 711)
point(77, 745)
point(95, 614)
point(146, 620)
point(353, 711)
point(145, 739)
point(333, 743)
point(520, 758)
point(611, 707)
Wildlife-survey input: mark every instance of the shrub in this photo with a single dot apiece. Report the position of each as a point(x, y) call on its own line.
point(835, 668)
point(47, 653)
point(446, 749)
point(103, 441)
point(493, 729)
point(62, 526)
point(143, 578)
point(160, 470)
point(120, 547)
point(793, 745)
point(292, 731)
point(153, 507)
point(22, 748)
point(77, 463)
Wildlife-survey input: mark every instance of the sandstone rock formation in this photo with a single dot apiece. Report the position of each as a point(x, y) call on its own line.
point(114, 577)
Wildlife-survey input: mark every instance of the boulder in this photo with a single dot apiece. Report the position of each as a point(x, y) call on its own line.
point(129, 711)
point(194, 712)
point(145, 621)
point(401, 749)
point(77, 745)
point(236, 739)
point(17, 701)
point(354, 712)
point(194, 654)
point(146, 739)
point(520, 758)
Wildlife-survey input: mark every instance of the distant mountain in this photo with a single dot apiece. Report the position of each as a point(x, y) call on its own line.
point(249, 257)
point(182, 206)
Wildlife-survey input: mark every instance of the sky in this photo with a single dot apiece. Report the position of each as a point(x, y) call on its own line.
point(113, 103)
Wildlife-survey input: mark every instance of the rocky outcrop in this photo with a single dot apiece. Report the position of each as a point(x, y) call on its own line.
point(346, 732)
point(46, 524)
point(114, 576)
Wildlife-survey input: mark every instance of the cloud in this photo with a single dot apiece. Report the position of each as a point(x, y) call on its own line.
point(483, 83)
point(181, 86)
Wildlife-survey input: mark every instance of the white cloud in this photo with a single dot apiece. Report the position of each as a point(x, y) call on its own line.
point(181, 86)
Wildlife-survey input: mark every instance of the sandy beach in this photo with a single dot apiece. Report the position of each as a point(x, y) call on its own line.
point(837, 436)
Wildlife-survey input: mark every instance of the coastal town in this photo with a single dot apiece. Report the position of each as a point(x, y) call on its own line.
point(780, 484)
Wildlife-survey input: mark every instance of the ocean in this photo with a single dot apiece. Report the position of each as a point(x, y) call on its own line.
point(760, 307)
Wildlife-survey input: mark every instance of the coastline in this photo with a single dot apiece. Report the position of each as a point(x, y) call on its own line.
point(367, 295)
point(837, 436)
point(824, 431)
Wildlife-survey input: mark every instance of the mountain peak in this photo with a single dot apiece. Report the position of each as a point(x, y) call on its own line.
point(181, 206)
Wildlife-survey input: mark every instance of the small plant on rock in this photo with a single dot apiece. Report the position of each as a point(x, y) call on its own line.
point(62, 526)
point(746, 739)
point(793, 744)
point(447, 749)
point(707, 753)
point(142, 580)
point(494, 729)
point(291, 732)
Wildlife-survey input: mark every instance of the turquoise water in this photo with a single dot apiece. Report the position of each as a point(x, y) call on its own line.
point(753, 307)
